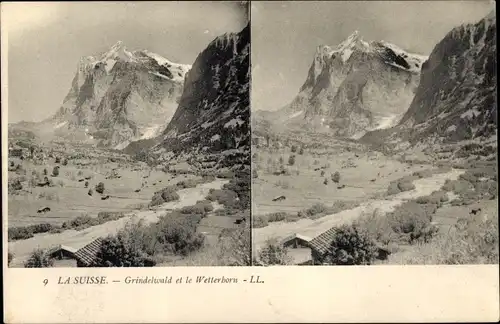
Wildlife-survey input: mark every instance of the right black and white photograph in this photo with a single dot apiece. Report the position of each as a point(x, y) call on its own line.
point(374, 133)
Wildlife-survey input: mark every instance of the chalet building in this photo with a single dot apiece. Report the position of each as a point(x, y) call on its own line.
point(296, 241)
point(63, 256)
point(87, 255)
point(297, 246)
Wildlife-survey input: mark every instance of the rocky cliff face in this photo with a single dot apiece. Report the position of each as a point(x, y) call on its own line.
point(356, 87)
point(456, 97)
point(121, 96)
point(214, 109)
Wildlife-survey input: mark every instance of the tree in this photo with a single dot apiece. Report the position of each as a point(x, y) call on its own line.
point(274, 253)
point(39, 259)
point(336, 177)
point(65, 162)
point(291, 160)
point(234, 247)
point(99, 188)
point(55, 171)
point(351, 245)
point(124, 250)
point(58, 159)
point(301, 151)
point(294, 148)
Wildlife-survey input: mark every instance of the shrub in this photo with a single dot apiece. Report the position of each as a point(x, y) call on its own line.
point(177, 233)
point(255, 174)
point(39, 258)
point(405, 186)
point(340, 205)
point(45, 172)
point(325, 181)
point(40, 228)
point(99, 188)
point(78, 222)
point(197, 209)
point(459, 187)
point(322, 173)
point(10, 257)
point(79, 173)
point(122, 250)
point(294, 148)
point(291, 160)
point(259, 221)
point(19, 233)
point(301, 151)
point(436, 198)
point(423, 174)
point(58, 160)
point(15, 185)
point(336, 177)
point(55, 171)
point(471, 241)
point(273, 253)
point(206, 204)
point(351, 245)
point(64, 162)
point(106, 216)
point(411, 221)
point(190, 183)
point(86, 184)
point(90, 192)
point(224, 197)
point(234, 247)
point(276, 217)
point(315, 209)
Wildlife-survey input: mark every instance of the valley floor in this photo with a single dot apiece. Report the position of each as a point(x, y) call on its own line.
point(294, 195)
point(68, 212)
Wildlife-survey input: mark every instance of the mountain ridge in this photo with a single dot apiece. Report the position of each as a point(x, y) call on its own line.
point(354, 87)
point(119, 96)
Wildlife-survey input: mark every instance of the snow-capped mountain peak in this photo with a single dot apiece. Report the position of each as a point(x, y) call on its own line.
point(178, 70)
point(391, 53)
point(119, 52)
point(120, 95)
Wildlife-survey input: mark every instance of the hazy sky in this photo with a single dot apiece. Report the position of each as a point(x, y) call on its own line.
point(285, 35)
point(46, 41)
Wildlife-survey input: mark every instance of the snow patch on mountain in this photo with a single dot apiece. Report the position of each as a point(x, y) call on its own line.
point(152, 131)
point(234, 122)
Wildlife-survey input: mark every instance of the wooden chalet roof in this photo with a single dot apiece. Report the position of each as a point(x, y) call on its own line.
point(296, 236)
point(322, 242)
point(61, 247)
point(88, 254)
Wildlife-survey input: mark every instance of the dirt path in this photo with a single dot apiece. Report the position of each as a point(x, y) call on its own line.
point(312, 228)
point(78, 239)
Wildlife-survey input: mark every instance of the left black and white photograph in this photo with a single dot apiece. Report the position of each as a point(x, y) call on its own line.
point(128, 134)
